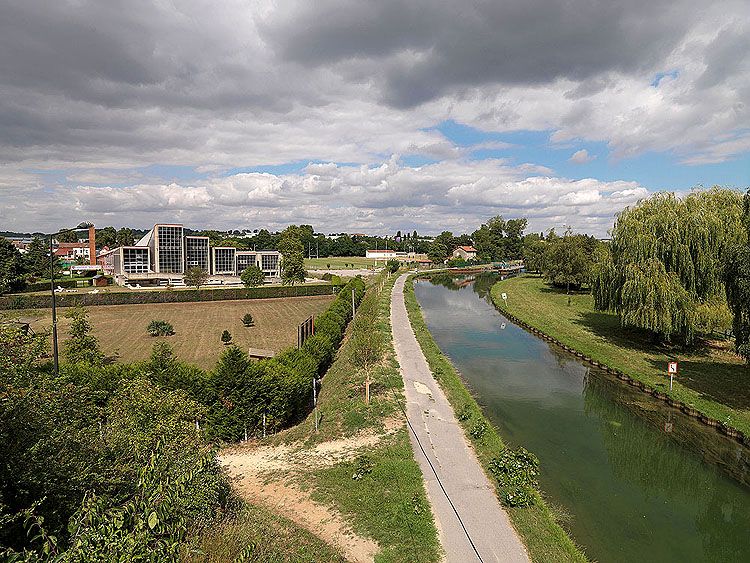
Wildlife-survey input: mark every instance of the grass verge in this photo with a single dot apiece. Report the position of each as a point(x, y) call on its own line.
point(261, 536)
point(387, 501)
point(712, 379)
point(544, 538)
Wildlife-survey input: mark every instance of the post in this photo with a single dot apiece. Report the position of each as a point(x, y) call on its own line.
point(352, 303)
point(315, 403)
point(245, 432)
point(264, 423)
point(671, 375)
point(56, 365)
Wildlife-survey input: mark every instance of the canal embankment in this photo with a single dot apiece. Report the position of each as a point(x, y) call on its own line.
point(709, 387)
point(544, 537)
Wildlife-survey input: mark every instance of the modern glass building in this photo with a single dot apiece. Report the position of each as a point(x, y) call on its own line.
point(164, 254)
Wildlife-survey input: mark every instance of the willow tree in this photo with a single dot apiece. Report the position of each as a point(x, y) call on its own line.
point(667, 255)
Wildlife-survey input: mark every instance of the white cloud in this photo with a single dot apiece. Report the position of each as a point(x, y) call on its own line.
point(456, 195)
point(581, 157)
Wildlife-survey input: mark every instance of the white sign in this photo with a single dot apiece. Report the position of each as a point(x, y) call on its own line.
point(672, 368)
point(504, 296)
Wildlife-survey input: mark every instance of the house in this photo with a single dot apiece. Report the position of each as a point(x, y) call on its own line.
point(465, 252)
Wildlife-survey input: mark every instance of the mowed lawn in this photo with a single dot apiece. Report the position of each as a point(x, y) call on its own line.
point(121, 329)
point(340, 263)
point(712, 378)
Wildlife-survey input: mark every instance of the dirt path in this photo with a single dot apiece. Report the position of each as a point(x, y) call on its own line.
point(265, 475)
point(470, 519)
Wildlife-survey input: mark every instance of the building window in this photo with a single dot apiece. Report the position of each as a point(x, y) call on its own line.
point(224, 260)
point(170, 249)
point(269, 263)
point(244, 261)
point(135, 260)
point(196, 253)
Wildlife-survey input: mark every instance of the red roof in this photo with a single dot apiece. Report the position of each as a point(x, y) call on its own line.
point(381, 251)
point(468, 248)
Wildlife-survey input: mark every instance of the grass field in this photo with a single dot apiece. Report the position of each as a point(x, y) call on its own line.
point(545, 540)
point(121, 329)
point(340, 263)
point(711, 378)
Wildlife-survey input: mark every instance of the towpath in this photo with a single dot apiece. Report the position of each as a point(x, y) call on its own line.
point(472, 524)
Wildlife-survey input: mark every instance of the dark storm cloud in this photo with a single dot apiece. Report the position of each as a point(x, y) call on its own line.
point(425, 48)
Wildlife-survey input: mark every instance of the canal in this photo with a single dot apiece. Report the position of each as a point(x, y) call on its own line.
point(636, 479)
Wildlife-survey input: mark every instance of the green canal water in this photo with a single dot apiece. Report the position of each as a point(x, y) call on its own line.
point(638, 480)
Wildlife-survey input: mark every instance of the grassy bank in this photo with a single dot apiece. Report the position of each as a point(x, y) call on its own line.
point(712, 379)
point(339, 263)
point(387, 501)
point(545, 540)
point(260, 536)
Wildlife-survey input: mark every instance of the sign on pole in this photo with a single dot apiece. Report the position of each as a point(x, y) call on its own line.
point(672, 368)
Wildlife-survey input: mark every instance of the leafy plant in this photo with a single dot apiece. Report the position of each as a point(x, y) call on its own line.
point(160, 328)
point(252, 276)
point(82, 346)
point(248, 320)
point(226, 337)
point(362, 466)
point(478, 430)
point(516, 471)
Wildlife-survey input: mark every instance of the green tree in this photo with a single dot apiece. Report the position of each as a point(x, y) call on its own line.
point(566, 263)
point(106, 236)
point(12, 267)
point(81, 346)
point(196, 276)
point(513, 242)
point(437, 252)
point(252, 276)
point(667, 255)
point(489, 239)
point(737, 281)
point(38, 260)
point(69, 236)
point(292, 257)
point(247, 319)
point(446, 239)
point(226, 337)
point(533, 252)
point(125, 237)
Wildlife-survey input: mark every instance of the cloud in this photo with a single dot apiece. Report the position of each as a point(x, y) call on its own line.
point(456, 195)
point(581, 157)
point(92, 93)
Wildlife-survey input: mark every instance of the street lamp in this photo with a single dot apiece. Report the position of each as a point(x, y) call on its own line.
point(80, 226)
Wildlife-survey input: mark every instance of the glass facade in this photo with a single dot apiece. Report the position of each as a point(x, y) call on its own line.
point(245, 260)
point(269, 263)
point(135, 260)
point(224, 260)
point(170, 244)
point(196, 253)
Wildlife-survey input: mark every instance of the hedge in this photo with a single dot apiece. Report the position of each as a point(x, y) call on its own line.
point(167, 296)
point(281, 387)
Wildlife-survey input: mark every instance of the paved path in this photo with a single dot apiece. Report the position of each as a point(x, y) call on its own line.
point(453, 460)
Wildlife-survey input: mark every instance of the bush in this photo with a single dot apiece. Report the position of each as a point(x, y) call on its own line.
point(226, 337)
point(248, 320)
point(160, 328)
point(392, 265)
point(252, 276)
point(516, 471)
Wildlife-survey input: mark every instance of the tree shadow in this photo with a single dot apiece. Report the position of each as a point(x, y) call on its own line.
point(719, 381)
point(607, 326)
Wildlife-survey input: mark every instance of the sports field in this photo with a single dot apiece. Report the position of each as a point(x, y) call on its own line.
point(121, 329)
point(340, 263)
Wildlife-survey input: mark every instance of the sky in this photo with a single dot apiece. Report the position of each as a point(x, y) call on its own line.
point(362, 116)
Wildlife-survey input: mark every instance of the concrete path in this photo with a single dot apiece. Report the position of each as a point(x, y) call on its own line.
point(467, 487)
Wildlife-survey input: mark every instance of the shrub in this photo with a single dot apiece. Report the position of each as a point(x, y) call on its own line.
point(248, 320)
point(392, 265)
point(226, 337)
point(516, 471)
point(160, 328)
point(252, 276)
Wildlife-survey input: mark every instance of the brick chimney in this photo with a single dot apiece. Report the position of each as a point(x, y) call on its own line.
point(92, 245)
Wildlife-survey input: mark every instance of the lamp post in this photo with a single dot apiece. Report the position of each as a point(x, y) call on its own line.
point(55, 354)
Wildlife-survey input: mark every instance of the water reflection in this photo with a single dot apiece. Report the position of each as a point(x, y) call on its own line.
point(641, 480)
